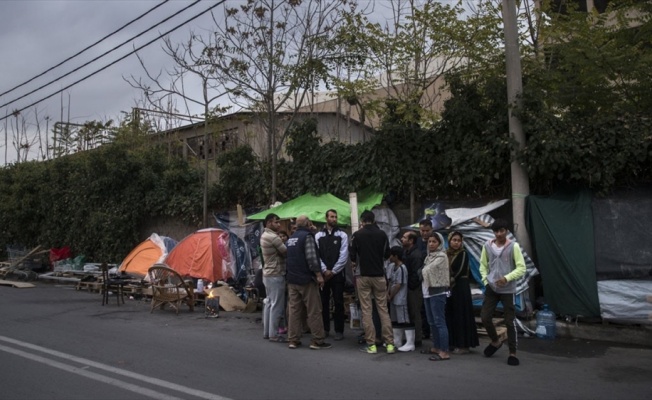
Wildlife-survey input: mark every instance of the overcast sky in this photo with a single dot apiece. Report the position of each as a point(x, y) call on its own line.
point(36, 35)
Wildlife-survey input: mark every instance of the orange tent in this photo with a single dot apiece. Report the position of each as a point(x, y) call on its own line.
point(203, 254)
point(151, 251)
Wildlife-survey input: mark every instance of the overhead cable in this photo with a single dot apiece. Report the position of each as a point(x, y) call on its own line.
point(87, 48)
point(116, 61)
point(100, 56)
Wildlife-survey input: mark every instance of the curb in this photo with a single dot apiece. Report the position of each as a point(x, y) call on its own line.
point(639, 335)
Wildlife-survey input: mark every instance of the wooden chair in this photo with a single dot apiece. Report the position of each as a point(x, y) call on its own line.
point(168, 287)
point(111, 285)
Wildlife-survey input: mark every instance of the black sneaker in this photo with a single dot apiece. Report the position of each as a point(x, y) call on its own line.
point(319, 346)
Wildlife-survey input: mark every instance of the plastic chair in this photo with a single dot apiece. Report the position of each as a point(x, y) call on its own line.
point(168, 287)
point(111, 285)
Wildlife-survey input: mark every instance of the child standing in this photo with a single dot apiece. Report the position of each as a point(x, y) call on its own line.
point(397, 297)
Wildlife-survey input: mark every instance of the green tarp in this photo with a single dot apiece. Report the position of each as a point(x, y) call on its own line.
point(315, 207)
point(561, 227)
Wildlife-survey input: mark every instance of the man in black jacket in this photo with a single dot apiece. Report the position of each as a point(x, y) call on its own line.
point(369, 250)
point(333, 246)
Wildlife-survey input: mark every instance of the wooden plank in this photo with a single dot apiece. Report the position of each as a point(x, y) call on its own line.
point(90, 286)
point(16, 284)
point(34, 251)
point(496, 321)
point(500, 330)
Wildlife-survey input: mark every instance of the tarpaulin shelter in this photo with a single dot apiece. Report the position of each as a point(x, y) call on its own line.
point(204, 254)
point(473, 224)
point(241, 255)
point(595, 253)
point(149, 252)
point(475, 237)
point(315, 207)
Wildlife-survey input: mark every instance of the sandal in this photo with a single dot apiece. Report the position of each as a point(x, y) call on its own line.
point(437, 357)
point(459, 351)
point(278, 339)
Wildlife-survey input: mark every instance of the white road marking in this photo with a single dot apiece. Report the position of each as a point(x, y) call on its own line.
point(118, 371)
point(90, 375)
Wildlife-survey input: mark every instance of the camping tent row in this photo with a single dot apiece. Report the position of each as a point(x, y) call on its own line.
point(218, 254)
point(207, 254)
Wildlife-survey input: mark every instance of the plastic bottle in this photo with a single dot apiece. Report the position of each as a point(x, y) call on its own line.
point(200, 285)
point(546, 323)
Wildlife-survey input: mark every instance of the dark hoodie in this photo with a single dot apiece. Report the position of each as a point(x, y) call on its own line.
point(369, 249)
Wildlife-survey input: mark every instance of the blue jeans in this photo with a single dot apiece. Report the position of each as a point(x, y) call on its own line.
point(436, 313)
point(274, 305)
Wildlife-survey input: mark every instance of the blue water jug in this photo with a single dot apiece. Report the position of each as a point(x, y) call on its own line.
point(546, 323)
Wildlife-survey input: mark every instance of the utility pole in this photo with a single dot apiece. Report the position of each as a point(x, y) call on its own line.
point(205, 191)
point(520, 179)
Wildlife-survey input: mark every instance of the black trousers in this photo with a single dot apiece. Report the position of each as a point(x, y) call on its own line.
point(335, 288)
point(489, 304)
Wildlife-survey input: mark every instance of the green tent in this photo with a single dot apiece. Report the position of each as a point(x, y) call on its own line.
point(315, 207)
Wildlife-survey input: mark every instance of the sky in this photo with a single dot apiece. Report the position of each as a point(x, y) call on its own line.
point(36, 35)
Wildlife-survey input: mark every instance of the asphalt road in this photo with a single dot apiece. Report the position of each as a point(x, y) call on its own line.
point(59, 343)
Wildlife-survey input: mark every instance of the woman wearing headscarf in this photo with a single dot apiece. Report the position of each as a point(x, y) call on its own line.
point(435, 286)
point(460, 318)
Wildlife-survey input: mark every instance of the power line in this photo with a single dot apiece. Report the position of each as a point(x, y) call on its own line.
point(88, 47)
point(100, 56)
point(116, 61)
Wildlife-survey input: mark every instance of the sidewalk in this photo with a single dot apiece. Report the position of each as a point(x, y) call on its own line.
point(638, 335)
point(627, 334)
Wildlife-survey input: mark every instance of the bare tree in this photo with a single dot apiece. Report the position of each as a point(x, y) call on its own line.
point(165, 89)
point(274, 55)
point(193, 65)
point(23, 138)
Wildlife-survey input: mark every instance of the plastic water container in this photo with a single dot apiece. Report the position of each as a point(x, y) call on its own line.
point(546, 321)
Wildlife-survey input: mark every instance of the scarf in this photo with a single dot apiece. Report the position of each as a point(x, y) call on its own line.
point(450, 252)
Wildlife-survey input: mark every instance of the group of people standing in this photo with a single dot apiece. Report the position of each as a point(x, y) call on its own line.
point(421, 278)
point(438, 286)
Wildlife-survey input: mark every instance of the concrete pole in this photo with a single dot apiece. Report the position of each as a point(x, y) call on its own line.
point(520, 179)
point(353, 201)
point(205, 191)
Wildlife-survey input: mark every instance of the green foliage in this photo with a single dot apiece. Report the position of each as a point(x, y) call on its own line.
point(598, 152)
point(240, 179)
point(587, 104)
point(317, 168)
point(472, 138)
point(95, 201)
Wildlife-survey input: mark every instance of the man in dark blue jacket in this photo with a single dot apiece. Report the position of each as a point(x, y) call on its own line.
point(369, 250)
point(333, 246)
point(304, 280)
